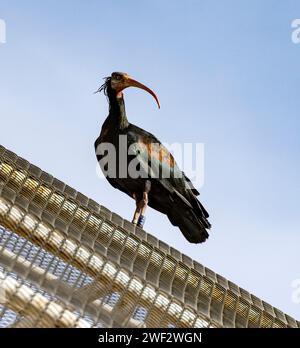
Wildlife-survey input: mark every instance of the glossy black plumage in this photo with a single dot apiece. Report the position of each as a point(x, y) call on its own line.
point(173, 196)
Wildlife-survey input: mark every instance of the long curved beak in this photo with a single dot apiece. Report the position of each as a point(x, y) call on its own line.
point(133, 83)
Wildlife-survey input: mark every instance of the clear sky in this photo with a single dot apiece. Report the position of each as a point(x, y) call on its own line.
point(227, 74)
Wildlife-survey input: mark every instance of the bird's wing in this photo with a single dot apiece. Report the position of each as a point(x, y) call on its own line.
point(177, 195)
point(152, 153)
point(157, 161)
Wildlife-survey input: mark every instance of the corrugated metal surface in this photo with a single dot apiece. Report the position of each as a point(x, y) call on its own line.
point(81, 265)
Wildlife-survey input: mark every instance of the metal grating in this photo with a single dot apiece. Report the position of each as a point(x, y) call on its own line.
point(66, 261)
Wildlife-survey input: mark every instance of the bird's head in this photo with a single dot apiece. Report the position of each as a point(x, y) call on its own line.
point(118, 81)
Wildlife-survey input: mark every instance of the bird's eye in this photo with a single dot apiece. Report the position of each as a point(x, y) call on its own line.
point(118, 77)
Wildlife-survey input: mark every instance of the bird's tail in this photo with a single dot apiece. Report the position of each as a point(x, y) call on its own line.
point(191, 220)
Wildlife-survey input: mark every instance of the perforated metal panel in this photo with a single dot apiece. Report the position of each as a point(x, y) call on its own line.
point(66, 261)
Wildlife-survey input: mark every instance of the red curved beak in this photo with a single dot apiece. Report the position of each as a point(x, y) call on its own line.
point(133, 83)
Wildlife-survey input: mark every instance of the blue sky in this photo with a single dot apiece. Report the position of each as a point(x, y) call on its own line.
point(227, 75)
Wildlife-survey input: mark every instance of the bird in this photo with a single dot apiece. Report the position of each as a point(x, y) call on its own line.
point(134, 160)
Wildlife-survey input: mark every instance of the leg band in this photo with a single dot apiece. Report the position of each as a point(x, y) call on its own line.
point(141, 221)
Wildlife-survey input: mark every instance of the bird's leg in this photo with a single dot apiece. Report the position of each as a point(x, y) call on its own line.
point(141, 206)
point(137, 212)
